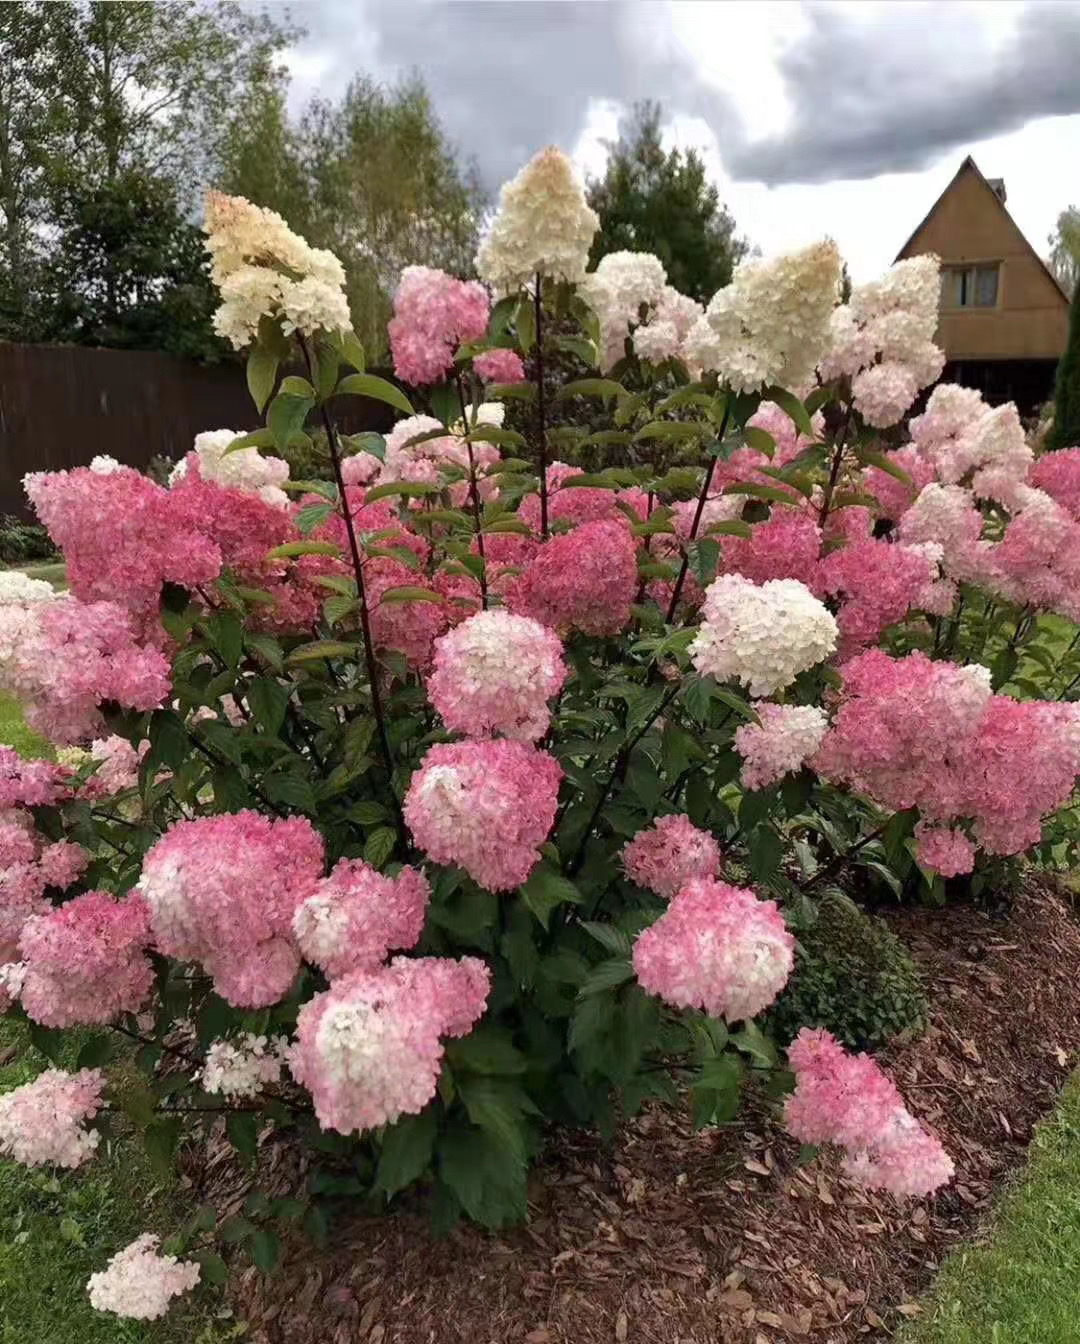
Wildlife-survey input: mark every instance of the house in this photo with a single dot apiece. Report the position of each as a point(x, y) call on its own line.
point(1004, 318)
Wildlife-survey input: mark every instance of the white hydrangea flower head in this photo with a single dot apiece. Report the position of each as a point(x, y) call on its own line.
point(245, 470)
point(772, 321)
point(15, 586)
point(139, 1283)
point(543, 223)
point(103, 465)
point(261, 267)
point(762, 635)
point(241, 1068)
point(621, 286)
point(667, 327)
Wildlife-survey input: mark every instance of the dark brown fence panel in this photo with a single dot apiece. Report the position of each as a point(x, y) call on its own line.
point(62, 405)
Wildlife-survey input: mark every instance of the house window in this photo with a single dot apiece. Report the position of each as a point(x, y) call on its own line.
point(970, 286)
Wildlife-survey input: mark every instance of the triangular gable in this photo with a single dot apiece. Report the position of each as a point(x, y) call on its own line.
point(969, 165)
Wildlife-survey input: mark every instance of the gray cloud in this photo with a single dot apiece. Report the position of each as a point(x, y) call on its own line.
point(884, 89)
point(890, 94)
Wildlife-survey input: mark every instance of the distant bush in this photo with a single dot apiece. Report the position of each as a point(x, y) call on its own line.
point(855, 978)
point(22, 543)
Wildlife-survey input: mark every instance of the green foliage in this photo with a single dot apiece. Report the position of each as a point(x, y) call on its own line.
point(1018, 1286)
point(1065, 430)
point(22, 543)
point(1064, 259)
point(854, 977)
point(650, 200)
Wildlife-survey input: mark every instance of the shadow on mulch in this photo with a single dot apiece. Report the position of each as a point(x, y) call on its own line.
point(672, 1237)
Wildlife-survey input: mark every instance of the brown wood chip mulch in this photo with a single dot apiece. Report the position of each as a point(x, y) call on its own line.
point(672, 1237)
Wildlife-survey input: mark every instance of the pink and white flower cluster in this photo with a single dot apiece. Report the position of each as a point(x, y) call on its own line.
point(780, 743)
point(846, 1100)
point(43, 1122)
point(139, 1283)
point(668, 854)
point(717, 948)
point(434, 313)
point(243, 1067)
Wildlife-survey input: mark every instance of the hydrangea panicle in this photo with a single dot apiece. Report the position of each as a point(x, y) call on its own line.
point(667, 854)
point(138, 1283)
point(357, 915)
point(781, 742)
point(42, 1123)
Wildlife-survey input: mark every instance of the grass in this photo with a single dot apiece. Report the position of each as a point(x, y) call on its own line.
point(56, 1229)
point(1023, 1285)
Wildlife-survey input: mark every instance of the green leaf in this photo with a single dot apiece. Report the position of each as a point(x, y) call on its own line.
point(291, 790)
point(772, 493)
point(235, 1228)
point(525, 323)
point(262, 367)
point(169, 744)
point(243, 1131)
point(323, 648)
point(295, 548)
point(265, 1249)
point(286, 416)
point(309, 518)
point(226, 633)
point(336, 608)
point(352, 352)
point(607, 975)
point(213, 1268)
point(488, 1181)
point(97, 1051)
point(160, 1139)
point(295, 386)
point(407, 489)
point(883, 461)
point(406, 1151)
point(368, 385)
point(487, 1049)
point(496, 1106)
point(49, 1040)
point(673, 430)
point(546, 889)
point(752, 1041)
point(608, 936)
point(715, 1098)
point(258, 438)
point(790, 403)
point(410, 593)
point(379, 846)
point(268, 699)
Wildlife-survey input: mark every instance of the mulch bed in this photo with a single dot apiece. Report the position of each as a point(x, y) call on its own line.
point(672, 1237)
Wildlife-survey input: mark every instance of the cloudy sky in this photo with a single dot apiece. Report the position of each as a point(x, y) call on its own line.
point(814, 118)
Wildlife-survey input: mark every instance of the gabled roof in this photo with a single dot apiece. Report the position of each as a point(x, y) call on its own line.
point(969, 165)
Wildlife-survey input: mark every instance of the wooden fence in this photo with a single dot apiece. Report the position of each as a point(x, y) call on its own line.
point(62, 405)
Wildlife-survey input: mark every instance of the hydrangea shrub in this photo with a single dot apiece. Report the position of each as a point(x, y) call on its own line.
point(412, 811)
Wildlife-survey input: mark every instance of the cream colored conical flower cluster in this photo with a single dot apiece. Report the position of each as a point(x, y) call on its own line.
point(262, 268)
point(543, 224)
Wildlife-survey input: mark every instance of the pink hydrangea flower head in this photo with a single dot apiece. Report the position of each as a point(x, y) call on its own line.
point(577, 504)
point(62, 863)
point(485, 806)
point(222, 891)
point(71, 656)
point(495, 673)
point(368, 1049)
point(717, 948)
point(944, 850)
point(846, 1099)
point(879, 582)
point(357, 915)
point(668, 854)
point(499, 366)
point(12, 974)
point(434, 313)
point(123, 537)
point(781, 742)
point(884, 392)
point(139, 1284)
point(762, 635)
point(117, 766)
point(32, 783)
point(360, 468)
point(787, 546)
point(581, 580)
point(1058, 474)
point(86, 961)
point(42, 1122)
point(409, 628)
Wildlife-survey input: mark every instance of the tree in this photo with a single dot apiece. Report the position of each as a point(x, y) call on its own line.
point(1064, 259)
point(1065, 430)
point(372, 177)
point(650, 200)
point(131, 270)
point(105, 110)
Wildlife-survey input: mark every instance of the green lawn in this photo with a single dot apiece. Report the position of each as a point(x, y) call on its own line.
point(1023, 1285)
point(57, 1228)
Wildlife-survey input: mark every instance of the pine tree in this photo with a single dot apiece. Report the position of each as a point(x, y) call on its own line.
point(1065, 431)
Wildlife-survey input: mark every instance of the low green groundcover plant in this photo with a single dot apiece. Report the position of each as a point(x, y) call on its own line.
point(415, 812)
